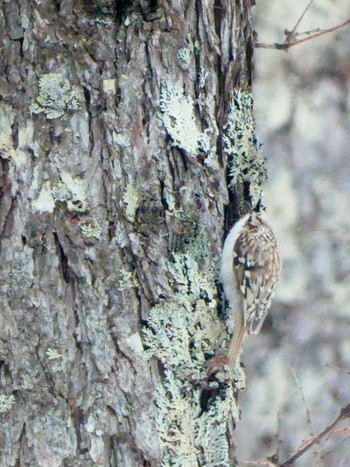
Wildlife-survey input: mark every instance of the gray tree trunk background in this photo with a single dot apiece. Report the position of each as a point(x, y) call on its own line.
point(91, 191)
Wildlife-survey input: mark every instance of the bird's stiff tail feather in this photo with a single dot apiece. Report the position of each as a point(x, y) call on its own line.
point(235, 348)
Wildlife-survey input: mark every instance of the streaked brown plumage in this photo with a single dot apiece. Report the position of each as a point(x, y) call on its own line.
point(250, 268)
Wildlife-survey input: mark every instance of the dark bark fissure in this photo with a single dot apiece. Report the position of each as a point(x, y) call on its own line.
point(88, 109)
point(63, 260)
point(9, 219)
point(5, 195)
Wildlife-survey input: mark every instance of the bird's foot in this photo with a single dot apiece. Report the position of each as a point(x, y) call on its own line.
point(216, 363)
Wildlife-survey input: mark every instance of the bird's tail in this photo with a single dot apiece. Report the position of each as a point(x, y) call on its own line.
point(235, 348)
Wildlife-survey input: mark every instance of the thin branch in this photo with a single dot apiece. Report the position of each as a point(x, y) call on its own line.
point(342, 370)
point(264, 463)
point(334, 447)
point(340, 431)
point(291, 38)
point(308, 412)
point(277, 437)
point(306, 406)
point(344, 413)
point(301, 17)
point(307, 33)
point(273, 45)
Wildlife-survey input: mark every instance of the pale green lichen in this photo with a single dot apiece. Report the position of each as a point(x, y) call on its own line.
point(176, 423)
point(180, 122)
point(184, 54)
point(7, 118)
point(61, 192)
point(71, 191)
point(192, 281)
point(126, 280)
point(52, 354)
point(198, 245)
point(180, 333)
point(45, 201)
point(121, 237)
point(212, 429)
point(203, 75)
point(245, 159)
point(131, 199)
point(91, 230)
point(6, 402)
point(101, 20)
point(56, 96)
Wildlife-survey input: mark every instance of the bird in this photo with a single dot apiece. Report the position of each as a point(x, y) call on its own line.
point(249, 271)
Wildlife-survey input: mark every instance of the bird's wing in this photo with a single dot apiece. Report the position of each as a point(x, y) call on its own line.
point(256, 274)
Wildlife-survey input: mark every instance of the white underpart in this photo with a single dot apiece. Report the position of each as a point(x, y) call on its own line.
point(227, 272)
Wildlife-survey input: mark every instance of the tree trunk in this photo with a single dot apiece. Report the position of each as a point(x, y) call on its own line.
point(113, 187)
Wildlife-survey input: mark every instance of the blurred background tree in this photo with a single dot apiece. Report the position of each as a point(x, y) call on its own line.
point(302, 103)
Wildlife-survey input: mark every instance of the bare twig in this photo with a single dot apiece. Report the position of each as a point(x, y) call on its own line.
point(342, 370)
point(291, 36)
point(278, 438)
point(306, 406)
point(301, 17)
point(334, 447)
point(307, 444)
point(289, 42)
point(264, 463)
point(307, 410)
point(345, 429)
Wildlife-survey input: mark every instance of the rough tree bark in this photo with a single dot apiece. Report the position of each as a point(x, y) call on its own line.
point(101, 203)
